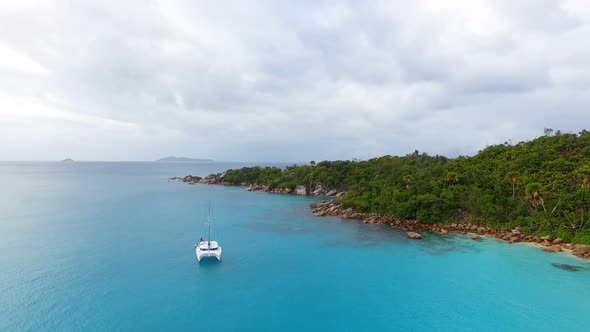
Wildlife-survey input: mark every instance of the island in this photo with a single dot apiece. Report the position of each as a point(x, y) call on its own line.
point(184, 160)
point(536, 191)
point(67, 160)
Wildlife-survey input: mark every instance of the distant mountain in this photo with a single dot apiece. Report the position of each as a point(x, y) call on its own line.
point(184, 160)
point(67, 160)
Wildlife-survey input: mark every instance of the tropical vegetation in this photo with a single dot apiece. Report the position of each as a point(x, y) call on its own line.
point(542, 185)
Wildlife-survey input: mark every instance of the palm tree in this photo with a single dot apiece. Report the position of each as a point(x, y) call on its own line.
point(514, 179)
point(452, 178)
point(585, 174)
point(534, 195)
point(408, 179)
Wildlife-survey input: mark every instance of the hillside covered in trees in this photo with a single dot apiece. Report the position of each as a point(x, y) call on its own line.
point(542, 185)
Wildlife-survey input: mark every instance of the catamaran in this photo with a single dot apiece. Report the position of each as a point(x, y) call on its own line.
point(208, 248)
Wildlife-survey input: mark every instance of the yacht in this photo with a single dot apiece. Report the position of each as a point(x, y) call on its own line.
point(208, 248)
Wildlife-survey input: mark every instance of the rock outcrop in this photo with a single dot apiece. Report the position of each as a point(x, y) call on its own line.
point(414, 236)
point(334, 208)
point(552, 249)
point(582, 249)
point(317, 190)
point(209, 179)
point(258, 187)
point(191, 179)
point(301, 190)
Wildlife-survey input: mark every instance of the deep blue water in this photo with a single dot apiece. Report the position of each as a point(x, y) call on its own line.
point(109, 246)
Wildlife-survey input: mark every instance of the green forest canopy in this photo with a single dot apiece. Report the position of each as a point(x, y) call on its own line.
point(542, 185)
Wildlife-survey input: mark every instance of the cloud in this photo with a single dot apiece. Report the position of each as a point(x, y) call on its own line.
point(12, 61)
point(278, 80)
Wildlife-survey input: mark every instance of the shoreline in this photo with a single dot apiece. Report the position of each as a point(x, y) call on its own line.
point(333, 208)
point(302, 190)
point(516, 235)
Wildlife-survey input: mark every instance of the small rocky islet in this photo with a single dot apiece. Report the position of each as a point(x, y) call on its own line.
point(414, 227)
point(190, 179)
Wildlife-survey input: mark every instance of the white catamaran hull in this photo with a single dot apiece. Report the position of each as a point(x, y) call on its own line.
point(208, 249)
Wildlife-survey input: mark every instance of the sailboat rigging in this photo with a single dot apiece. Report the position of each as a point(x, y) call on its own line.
point(208, 248)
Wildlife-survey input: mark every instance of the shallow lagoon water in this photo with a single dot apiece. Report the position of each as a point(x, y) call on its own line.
point(109, 246)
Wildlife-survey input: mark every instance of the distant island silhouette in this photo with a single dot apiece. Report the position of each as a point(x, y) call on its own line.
point(67, 160)
point(185, 160)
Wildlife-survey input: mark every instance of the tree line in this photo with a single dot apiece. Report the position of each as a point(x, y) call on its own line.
point(542, 185)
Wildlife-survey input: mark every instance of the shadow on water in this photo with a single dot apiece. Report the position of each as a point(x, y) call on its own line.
point(567, 267)
point(382, 235)
point(209, 264)
point(441, 244)
point(364, 236)
point(355, 234)
point(278, 229)
point(367, 236)
point(358, 242)
point(282, 223)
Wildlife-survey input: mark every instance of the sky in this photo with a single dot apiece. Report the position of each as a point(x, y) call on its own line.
point(287, 80)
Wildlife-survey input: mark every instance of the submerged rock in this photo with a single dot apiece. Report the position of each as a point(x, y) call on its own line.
point(476, 238)
point(414, 236)
point(567, 267)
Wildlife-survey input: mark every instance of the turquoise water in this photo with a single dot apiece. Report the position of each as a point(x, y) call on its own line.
point(109, 246)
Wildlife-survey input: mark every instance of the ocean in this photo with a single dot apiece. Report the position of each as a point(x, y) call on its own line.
point(109, 246)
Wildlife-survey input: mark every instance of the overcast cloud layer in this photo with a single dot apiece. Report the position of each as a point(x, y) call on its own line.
point(287, 81)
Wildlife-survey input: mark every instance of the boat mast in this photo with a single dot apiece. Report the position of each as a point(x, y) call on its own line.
point(209, 220)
